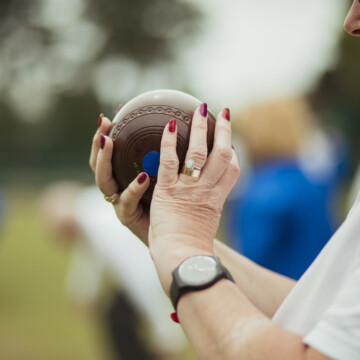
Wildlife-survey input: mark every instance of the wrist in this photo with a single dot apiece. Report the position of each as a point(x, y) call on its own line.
point(169, 256)
point(197, 273)
point(178, 243)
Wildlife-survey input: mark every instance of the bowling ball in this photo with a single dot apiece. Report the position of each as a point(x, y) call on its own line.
point(137, 132)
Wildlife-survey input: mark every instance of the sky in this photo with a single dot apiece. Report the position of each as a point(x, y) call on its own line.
point(255, 50)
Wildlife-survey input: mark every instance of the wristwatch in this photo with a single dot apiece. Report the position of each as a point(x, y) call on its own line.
point(196, 273)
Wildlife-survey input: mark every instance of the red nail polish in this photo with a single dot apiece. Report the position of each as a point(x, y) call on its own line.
point(142, 177)
point(174, 317)
point(100, 119)
point(102, 141)
point(119, 108)
point(172, 125)
point(226, 114)
point(203, 109)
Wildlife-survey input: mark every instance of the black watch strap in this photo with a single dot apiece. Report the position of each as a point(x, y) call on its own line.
point(178, 287)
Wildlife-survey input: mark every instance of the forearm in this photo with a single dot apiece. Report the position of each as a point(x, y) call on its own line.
point(264, 288)
point(221, 323)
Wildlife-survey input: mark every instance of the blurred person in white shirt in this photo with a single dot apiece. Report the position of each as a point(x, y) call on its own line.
point(104, 251)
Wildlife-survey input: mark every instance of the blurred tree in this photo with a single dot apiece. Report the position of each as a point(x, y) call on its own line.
point(143, 29)
point(337, 97)
point(56, 59)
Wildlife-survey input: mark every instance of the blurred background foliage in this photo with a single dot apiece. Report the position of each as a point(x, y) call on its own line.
point(337, 96)
point(62, 63)
point(58, 61)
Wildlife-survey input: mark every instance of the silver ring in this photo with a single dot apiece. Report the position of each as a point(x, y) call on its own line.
point(190, 169)
point(113, 199)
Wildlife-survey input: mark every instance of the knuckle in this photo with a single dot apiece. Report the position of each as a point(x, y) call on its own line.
point(170, 163)
point(124, 202)
point(123, 199)
point(103, 183)
point(208, 184)
point(224, 153)
point(224, 127)
point(235, 169)
point(199, 156)
point(132, 191)
point(100, 184)
point(167, 143)
point(129, 195)
point(200, 125)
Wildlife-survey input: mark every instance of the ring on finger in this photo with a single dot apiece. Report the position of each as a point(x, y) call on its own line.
point(190, 169)
point(113, 199)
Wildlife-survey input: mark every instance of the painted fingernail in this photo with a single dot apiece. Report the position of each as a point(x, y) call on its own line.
point(100, 119)
point(119, 108)
point(102, 141)
point(203, 109)
point(226, 114)
point(142, 177)
point(172, 125)
point(174, 317)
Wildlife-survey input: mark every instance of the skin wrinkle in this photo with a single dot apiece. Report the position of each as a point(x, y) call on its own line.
point(224, 154)
point(202, 197)
point(204, 211)
point(171, 163)
point(133, 219)
point(245, 339)
point(243, 336)
point(198, 156)
point(218, 341)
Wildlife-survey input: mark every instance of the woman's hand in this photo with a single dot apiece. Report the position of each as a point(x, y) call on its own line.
point(185, 211)
point(128, 209)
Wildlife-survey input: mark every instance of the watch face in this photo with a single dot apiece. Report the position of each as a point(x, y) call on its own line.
point(198, 270)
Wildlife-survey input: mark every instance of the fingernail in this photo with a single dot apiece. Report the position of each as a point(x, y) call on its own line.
point(174, 317)
point(203, 109)
point(102, 141)
point(172, 125)
point(142, 177)
point(226, 114)
point(119, 108)
point(100, 119)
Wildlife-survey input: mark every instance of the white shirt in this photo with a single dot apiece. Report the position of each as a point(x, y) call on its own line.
point(324, 306)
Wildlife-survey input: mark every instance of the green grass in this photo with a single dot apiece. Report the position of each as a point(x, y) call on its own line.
point(36, 321)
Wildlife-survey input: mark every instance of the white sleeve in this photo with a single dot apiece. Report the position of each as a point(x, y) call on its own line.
point(85, 275)
point(128, 261)
point(337, 334)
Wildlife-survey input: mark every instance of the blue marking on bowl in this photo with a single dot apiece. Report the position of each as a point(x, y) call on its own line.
point(151, 162)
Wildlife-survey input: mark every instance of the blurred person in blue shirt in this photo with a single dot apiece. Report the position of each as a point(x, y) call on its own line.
point(283, 214)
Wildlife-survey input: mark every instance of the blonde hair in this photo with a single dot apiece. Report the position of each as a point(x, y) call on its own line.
point(274, 129)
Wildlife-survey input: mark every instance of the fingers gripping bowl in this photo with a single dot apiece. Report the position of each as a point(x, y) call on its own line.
point(138, 130)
